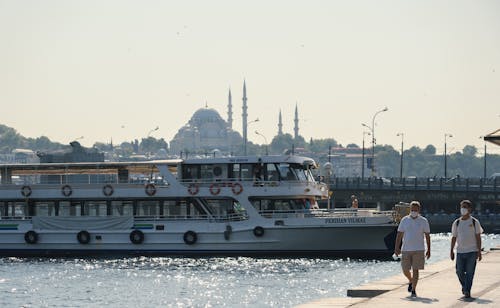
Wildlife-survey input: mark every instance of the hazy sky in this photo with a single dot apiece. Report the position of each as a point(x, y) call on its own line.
point(117, 69)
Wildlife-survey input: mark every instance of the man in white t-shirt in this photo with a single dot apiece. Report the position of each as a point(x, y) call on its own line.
point(412, 230)
point(466, 234)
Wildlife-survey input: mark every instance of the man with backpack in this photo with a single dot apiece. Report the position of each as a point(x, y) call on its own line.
point(466, 234)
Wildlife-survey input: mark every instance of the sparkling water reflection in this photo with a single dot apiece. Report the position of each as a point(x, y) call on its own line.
point(186, 282)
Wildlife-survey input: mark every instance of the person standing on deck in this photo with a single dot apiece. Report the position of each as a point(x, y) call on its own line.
point(412, 229)
point(354, 202)
point(466, 234)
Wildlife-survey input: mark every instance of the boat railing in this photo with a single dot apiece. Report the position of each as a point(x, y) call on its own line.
point(76, 183)
point(211, 218)
point(17, 217)
point(230, 182)
point(82, 179)
point(240, 216)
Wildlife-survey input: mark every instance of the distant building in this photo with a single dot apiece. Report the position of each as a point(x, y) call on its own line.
point(24, 156)
point(206, 131)
point(76, 154)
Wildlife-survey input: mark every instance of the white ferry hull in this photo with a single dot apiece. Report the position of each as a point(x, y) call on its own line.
point(276, 241)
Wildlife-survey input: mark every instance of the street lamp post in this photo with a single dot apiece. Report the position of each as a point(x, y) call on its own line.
point(485, 160)
point(484, 174)
point(401, 165)
point(363, 156)
point(245, 138)
point(445, 156)
point(330, 153)
point(265, 140)
point(373, 138)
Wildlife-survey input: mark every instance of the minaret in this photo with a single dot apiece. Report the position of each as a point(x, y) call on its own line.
point(296, 121)
point(280, 125)
point(245, 118)
point(229, 110)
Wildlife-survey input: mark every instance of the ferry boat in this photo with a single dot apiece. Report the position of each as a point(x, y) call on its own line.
point(239, 206)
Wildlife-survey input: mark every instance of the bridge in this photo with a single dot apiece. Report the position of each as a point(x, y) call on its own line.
point(440, 198)
point(435, 194)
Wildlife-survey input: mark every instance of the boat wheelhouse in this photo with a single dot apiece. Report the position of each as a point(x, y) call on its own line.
point(264, 206)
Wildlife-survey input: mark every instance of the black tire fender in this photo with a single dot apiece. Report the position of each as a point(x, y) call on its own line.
point(137, 237)
point(258, 231)
point(190, 237)
point(150, 189)
point(66, 190)
point(26, 191)
point(107, 190)
point(83, 237)
point(31, 237)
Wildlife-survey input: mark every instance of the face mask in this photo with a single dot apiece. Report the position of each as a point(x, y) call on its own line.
point(413, 214)
point(464, 211)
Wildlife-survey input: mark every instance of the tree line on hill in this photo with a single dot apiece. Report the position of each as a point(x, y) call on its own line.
point(417, 162)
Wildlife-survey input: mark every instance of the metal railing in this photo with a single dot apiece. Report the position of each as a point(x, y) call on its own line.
point(453, 184)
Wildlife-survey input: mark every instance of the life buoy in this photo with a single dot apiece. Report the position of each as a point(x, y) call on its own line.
point(31, 237)
point(83, 237)
point(137, 237)
point(193, 189)
point(66, 190)
point(190, 237)
point(150, 189)
point(258, 231)
point(107, 190)
point(215, 189)
point(237, 188)
point(26, 191)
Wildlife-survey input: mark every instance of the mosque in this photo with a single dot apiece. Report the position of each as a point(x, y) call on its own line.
point(207, 130)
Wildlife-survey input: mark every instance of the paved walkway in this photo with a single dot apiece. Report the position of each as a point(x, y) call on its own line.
point(438, 287)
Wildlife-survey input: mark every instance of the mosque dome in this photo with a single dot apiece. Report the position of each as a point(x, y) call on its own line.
point(205, 115)
point(204, 131)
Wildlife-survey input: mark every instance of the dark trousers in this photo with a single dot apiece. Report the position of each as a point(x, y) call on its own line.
point(466, 266)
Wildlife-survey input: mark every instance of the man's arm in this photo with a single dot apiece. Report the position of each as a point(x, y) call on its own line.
point(397, 249)
point(478, 242)
point(428, 240)
point(452, 253)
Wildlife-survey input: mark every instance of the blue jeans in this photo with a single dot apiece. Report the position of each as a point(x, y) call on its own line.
point(466, 266)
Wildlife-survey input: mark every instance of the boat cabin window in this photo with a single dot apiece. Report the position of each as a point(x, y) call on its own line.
point(295, 172)
point(224, 207)
point(246, 172)
point(148, 208)
point(190, 172)
point(286, 173)
point(181, 208)
point(44, 208)
point(95, 208)
point(14, 209)
point(122, 208)
point(270, 205)
point(67, 208)
point(234, 171)
point(272, 173)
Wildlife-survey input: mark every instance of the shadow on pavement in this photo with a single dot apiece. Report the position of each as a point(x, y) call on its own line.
point(424, 300)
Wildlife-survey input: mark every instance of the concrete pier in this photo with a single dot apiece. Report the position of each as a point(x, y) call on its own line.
point(438, 286)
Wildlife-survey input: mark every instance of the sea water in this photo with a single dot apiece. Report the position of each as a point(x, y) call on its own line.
point(192, 282)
